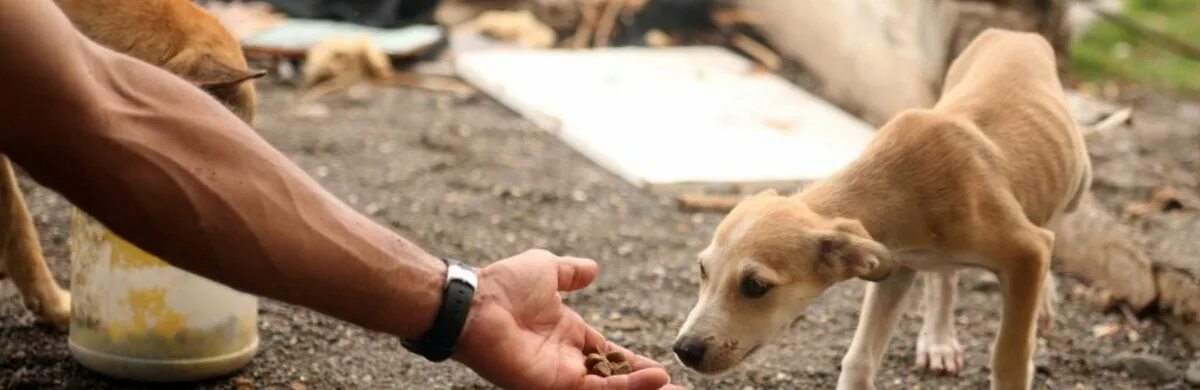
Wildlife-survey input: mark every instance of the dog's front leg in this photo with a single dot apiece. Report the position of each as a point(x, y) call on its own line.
point(22, 255)
point(881, 310)
point(1022, 275)
point(938, 349)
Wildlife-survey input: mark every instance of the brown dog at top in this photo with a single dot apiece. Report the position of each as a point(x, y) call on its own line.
point(971, 182)
point(173, 34)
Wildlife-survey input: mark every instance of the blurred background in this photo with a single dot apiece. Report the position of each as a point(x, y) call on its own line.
point(621, 130)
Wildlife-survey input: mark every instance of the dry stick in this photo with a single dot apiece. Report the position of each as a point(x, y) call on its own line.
point(317, 91)
point(429, 83)
point(608, 21)
point(764, 55)
point(708, 203)
point(1119, 117)
point(1131, 317)
point(403, 79)
point(726, 18)
point(1155, 37)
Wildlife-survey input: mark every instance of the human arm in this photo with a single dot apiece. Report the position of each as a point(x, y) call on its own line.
point(168, 168)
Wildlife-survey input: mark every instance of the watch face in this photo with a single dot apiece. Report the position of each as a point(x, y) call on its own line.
point(460, 272)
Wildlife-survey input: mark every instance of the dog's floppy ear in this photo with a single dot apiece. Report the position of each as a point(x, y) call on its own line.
point(848, 252)
point(208, 72)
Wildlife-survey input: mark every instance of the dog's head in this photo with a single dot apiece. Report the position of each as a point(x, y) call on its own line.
point(767, 261)
point(229, 80)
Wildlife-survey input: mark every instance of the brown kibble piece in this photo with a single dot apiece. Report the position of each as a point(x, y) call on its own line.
point(593, 360)
point(621, 368)
point(605, 364)
point(603, 369)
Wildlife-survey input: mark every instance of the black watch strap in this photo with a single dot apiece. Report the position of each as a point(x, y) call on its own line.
point(438, 343)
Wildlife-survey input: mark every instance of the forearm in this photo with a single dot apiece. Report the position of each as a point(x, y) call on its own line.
point(168, 168)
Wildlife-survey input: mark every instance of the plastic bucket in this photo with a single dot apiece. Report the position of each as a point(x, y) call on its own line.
point(136, 317)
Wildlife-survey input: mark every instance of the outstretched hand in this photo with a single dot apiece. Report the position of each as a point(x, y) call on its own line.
point(520, 335)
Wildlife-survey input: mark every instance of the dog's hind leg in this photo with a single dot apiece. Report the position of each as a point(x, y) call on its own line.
point(22, 255)
point(938, 350)
point(881, 310)
point(1022, 265)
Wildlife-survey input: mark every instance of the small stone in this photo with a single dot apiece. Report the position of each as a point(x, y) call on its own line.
point(1041, 365)
point(297, 386)
point(312, 111)
point(1105, 330)
point(1145, 366)
point(243, 383)
point(386, 147)
point(625, 249)
point(1193, 374)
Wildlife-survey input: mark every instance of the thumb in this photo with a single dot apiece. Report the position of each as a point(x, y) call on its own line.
point(575, 273)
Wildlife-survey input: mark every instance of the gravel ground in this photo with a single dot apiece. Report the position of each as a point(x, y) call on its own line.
point(469, 179)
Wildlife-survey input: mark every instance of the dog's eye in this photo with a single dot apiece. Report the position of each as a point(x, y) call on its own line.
point(753, 288)
point(703, 273)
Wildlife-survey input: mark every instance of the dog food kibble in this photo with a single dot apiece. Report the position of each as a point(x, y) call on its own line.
point(593, 360)
point(611, 363)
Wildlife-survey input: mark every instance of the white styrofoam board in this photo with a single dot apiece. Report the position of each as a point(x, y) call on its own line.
point(301, 34)
point(658, 116)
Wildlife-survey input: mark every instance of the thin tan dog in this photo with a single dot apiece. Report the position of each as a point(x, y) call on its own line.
point(173, 34)
point(970, 183)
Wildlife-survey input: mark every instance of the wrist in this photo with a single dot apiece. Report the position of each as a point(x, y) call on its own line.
point(425, 296)
point(476, 319)
point(441, 340)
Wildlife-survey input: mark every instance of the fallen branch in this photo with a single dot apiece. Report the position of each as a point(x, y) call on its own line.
point(761, 53)
point(587, 26)
point(430, 83)
point(1115, 119)
point(703, 203)
point(608, 22)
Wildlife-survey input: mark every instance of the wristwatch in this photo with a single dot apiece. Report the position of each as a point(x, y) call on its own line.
point(438, 343)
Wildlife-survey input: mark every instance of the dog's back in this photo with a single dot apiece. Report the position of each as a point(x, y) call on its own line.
point(175, 35)
point(1007, 84)
point(1001, 124)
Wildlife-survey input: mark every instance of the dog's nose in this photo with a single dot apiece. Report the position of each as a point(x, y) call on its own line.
point(690, 351)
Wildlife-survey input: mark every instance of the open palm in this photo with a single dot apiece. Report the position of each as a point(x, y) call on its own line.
point(520, 335)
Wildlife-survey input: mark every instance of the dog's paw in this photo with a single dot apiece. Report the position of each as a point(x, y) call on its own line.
point(1047, 313)
point(849, 381)
point(1046, 317)
point(55, 311)
point(940, 355)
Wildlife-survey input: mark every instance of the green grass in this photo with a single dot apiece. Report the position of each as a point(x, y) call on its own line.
point(1095, 57)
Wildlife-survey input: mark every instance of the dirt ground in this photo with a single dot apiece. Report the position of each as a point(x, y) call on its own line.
point(471, 180)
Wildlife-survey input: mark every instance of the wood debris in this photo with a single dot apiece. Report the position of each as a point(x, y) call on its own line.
point(517, 27)
point(339, 63)
point(758, 51)
point(708, 203)
point(1091, 245)
point(1161, 199)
